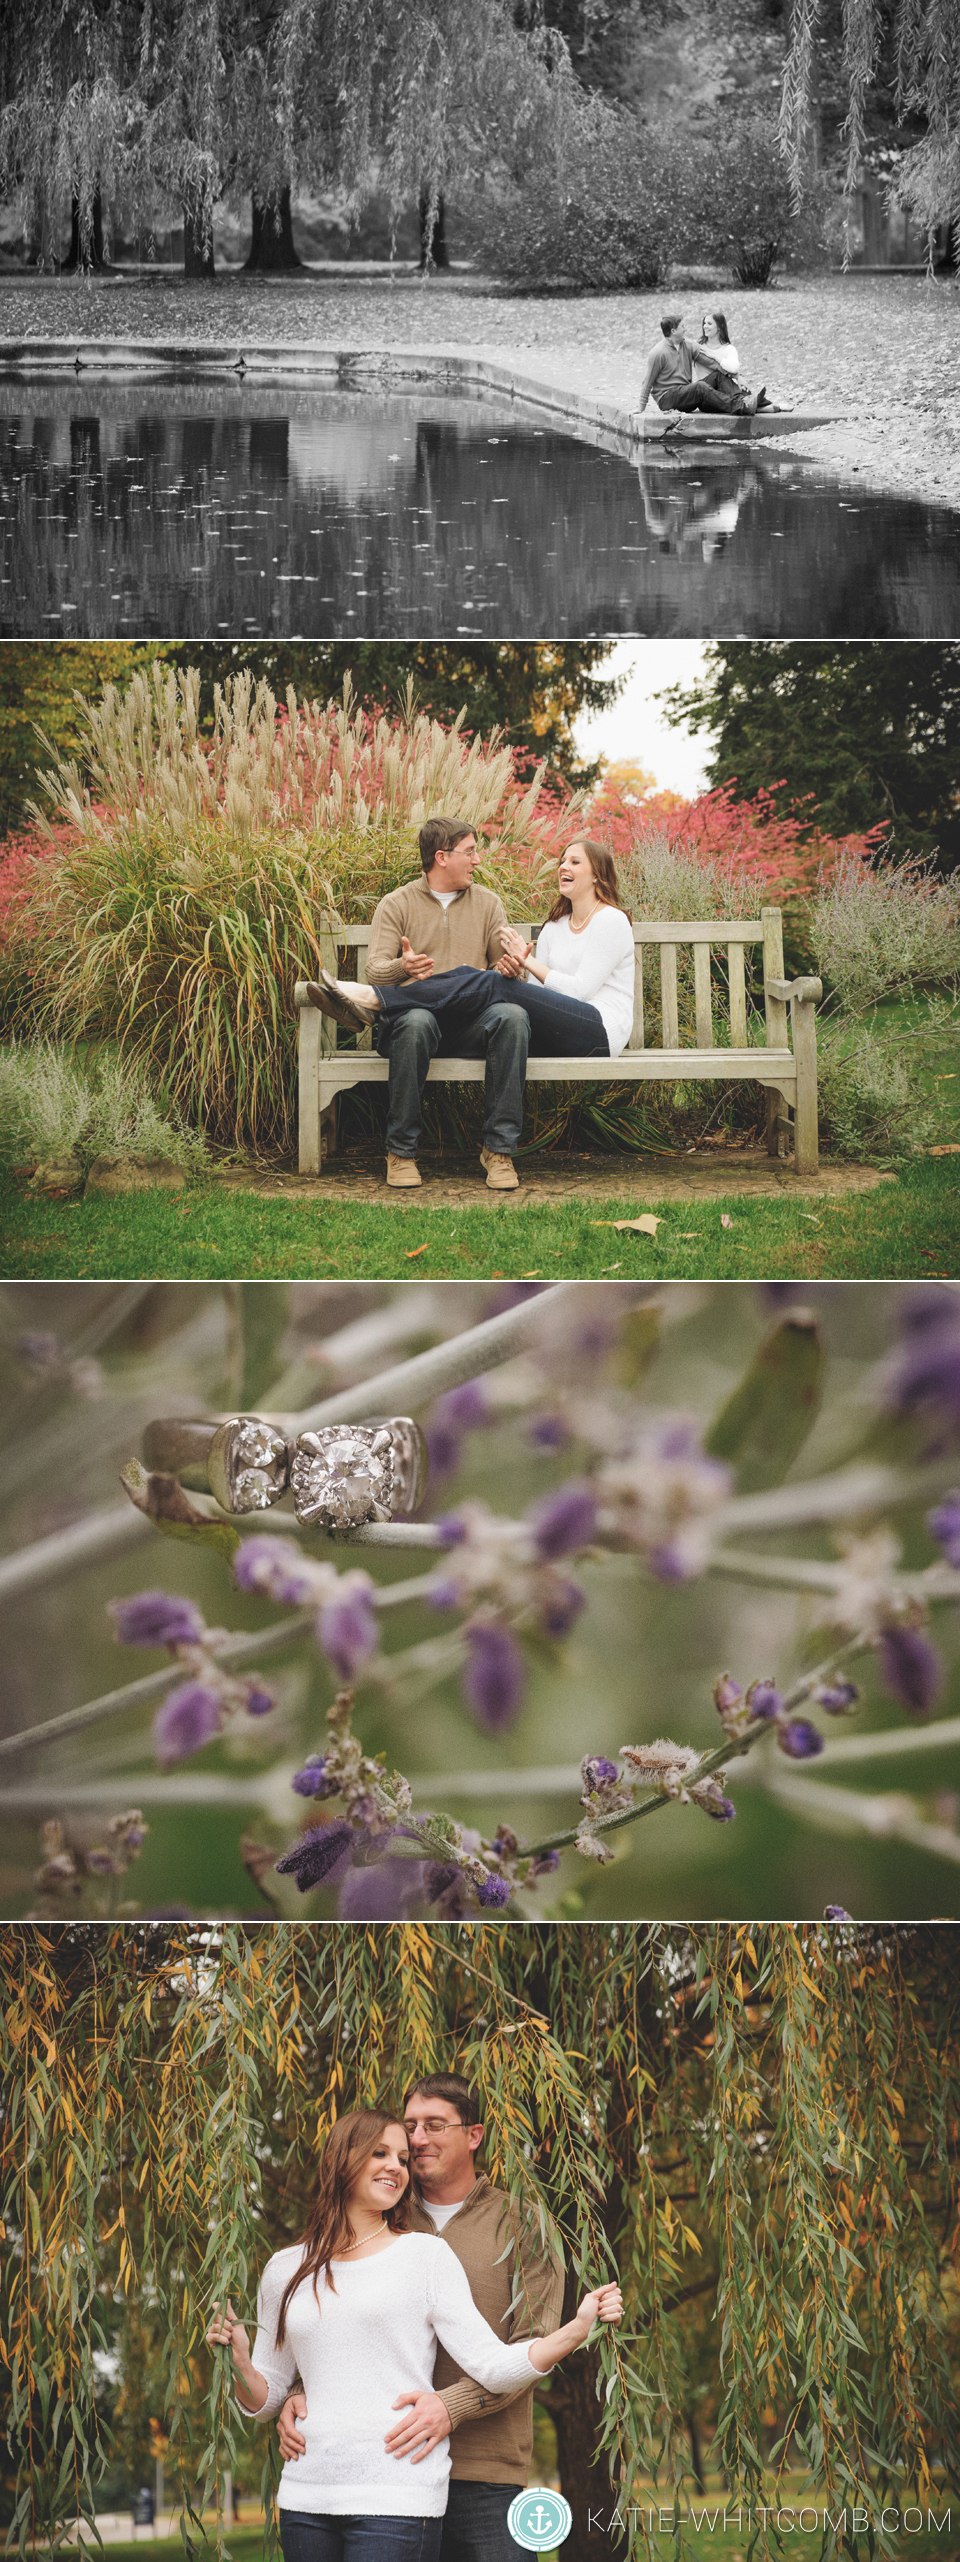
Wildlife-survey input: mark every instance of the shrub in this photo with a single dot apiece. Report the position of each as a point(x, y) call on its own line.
point(871, 1095)
point(53, 1105)
point(736, 203)
point(601, 213)
point(878, 929)
point(191, 884)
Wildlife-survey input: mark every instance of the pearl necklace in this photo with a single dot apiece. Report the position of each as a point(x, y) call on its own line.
point(588, 920)
point(364, 2237)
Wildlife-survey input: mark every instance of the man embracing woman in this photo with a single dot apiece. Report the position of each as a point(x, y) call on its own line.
point(400, 2297)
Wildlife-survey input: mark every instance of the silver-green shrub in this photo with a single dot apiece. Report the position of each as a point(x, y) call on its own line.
point(54, 1106)
point(879, 931)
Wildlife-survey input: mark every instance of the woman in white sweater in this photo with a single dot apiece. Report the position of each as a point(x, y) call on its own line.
point(361, 2336)
point(579, 989)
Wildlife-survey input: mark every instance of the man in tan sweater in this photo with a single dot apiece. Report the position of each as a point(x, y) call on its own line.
point(443, 921)
point(492, 2433)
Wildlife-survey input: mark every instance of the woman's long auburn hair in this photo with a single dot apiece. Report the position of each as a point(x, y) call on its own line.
point(350, 2144)
point(605, 881)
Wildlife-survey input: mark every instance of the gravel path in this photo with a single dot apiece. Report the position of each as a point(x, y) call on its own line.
point(881, 351)
point(457, 1184)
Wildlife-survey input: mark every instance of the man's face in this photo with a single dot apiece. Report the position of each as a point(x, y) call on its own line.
point(455, 870)
point(441, 2146)
point(678, 329)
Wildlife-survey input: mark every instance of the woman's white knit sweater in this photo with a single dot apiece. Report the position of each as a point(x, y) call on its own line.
point(354, 2351)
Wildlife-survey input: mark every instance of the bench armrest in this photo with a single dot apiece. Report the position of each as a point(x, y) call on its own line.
point(806, 991)
point(300, 997)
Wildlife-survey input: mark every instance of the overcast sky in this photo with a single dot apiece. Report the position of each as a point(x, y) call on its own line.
point(635, 726)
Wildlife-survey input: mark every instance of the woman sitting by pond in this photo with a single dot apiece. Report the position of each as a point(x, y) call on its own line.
point(361, 2337)
point(716, 359)
point(579, 992)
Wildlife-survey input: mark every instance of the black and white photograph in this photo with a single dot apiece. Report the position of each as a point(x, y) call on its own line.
point(678, 275)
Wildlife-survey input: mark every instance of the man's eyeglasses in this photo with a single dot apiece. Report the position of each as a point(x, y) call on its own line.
point(434, 2126)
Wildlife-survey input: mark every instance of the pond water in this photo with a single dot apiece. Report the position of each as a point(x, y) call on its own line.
point(193, 508)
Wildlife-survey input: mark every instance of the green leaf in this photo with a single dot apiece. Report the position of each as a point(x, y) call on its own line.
point(765, 1423)
point(166, 1504)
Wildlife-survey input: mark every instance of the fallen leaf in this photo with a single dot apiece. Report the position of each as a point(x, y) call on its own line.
point(413, 1251)
point(645, 1227)
point(725, 1219)
point(952, 1148)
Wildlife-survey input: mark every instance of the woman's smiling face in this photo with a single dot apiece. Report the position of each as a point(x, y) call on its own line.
point(576, 872)
point(381, 2180)
point(709, 329)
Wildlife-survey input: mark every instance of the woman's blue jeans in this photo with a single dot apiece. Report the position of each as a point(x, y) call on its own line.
point(307, 2537)
point(560, 1026)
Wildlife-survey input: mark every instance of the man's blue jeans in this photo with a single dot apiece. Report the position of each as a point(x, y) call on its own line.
point(475, 2527)
point(499, 1033)
point(471, 1014)
point(309, 2538)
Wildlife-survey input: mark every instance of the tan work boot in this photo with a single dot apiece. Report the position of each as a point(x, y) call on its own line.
point(403, 1173)
point(502, 1174)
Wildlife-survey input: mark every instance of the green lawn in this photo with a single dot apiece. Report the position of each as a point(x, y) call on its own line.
point(902, 1229)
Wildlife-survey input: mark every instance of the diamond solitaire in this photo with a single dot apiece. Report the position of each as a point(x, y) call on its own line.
point(351, 1473)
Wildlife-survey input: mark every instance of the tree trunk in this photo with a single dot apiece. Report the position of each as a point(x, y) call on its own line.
point(433, 233)
point(576, 2415)
point(83, 258)
point(272, 247)
point(197, 250)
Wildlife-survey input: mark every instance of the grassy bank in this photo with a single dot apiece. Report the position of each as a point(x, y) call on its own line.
point(904, 1228)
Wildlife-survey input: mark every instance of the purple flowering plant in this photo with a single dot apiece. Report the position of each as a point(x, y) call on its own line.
point(642, 1501)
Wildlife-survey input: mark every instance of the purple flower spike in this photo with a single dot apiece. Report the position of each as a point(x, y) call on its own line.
point(836, 1697)
point(836, 1912)
point(460, 1410)
point(258, 1703)
point(156, 1619)
point(495, 1891)
point(669, 1564)
point(722, 1810)
point(437, 1880)
point(799, 1739)
point(544, 1866)
point(347, 1631)
point(911, 1668)
point(495, 1678)
point(387, 1892)
point(451, 1530)
point(924, 1377)
point(314, 1779)
point(274, 1566)
point(445, 1595)
point(189, 1716)
point(561, 1605)
point(599, 1773)
point(564, 1522)
point(320, 1855)
point(944, 1526)
point(763, 1700)
point(727, 1694)
point(549, 1432)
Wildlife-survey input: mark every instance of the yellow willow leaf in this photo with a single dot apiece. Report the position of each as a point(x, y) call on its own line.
point(897, 2102)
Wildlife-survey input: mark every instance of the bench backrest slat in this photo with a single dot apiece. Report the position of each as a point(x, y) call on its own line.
point(731, 934)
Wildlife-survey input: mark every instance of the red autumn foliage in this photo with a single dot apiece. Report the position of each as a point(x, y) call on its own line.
point(785, 856)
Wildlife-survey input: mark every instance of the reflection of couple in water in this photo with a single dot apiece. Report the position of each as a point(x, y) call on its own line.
point(685, 515)
point(686, 373)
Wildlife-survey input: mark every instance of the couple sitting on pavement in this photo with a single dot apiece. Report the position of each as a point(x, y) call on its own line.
point(685, 373)
point(447, 975)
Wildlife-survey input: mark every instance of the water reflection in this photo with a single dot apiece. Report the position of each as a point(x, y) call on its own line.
point(194, 508)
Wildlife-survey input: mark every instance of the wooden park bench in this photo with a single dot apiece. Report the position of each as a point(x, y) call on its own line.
point(330, 1061)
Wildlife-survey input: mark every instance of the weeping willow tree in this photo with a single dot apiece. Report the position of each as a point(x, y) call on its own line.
point(915, 46)
point(757, 2127)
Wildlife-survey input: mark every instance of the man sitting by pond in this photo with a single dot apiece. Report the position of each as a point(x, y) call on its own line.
point(445, 922)
point(671, 378)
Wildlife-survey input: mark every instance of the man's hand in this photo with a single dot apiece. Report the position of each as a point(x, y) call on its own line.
point(292, 2444)
point(509, 967)
point(425, 2426)
point(416, 965)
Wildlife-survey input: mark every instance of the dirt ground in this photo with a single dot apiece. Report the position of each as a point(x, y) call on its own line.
point(457, 1183)
point(882, 352)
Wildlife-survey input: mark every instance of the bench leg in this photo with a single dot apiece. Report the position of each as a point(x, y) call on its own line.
point(774, 1106)
point(806, 1133)
point(308, 1065)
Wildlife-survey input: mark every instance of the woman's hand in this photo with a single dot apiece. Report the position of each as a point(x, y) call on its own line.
point(515, 945)
point(226, 2331)
point(605, 2304)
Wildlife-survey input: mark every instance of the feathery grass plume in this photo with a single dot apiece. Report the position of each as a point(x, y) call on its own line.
point(194, 877)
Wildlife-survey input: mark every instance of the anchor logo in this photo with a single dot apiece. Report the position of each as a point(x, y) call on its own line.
point(539, 2520)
